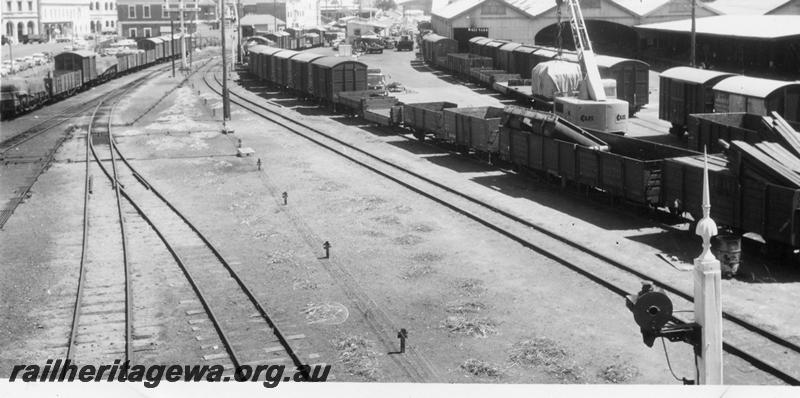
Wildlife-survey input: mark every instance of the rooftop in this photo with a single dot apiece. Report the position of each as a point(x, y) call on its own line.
point(260, 19)
point(749, 26)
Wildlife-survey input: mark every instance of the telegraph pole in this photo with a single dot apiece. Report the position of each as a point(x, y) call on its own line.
point(694, 36)
point(226, 110)
point(239, 31)
point(183, 41)
point(172, 33)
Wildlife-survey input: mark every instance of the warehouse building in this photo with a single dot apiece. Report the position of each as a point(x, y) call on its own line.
point(610, 22)
point(762, 45)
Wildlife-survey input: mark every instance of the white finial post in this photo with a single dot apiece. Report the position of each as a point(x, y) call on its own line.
point(707, 300)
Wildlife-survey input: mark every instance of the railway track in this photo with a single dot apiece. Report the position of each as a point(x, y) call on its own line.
point(36, 146)
point(242, 324)
point(102, 315)
point(772, 354)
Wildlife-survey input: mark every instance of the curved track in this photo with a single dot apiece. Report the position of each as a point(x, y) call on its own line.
point(766, 351)
point(238, 317)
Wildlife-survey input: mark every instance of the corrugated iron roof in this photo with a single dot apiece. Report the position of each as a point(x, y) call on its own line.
point(260, 19)
point(750, 26)
point(746, 7)
point(331, 62)
point(534, 8)
point(692, 75)
point(640, 7)
point(752, 86)
point(525, 49)
point(456, 8)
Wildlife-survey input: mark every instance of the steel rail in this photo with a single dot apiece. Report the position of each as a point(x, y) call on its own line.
point(758, 363)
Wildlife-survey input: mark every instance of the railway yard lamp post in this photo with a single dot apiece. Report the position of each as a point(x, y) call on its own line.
point(652, 309)
point(707, 300)
point(172, 32)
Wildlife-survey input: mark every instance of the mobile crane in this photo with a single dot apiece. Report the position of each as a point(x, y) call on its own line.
point(592, 109)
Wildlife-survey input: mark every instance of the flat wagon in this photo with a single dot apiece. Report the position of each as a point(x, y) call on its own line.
point(684, 91)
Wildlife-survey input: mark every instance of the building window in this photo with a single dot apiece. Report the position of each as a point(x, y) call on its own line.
point(146, 13)
point(132, 32)
point(8, 5)
point(147, 32)
point(164, 12)
point(492, 8)
point(19, 6)
point(132, 13)
point(30, 6)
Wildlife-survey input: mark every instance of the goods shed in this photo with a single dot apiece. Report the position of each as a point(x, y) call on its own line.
point(761, 45)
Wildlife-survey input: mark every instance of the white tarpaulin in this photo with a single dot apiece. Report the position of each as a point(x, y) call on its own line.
point(551, 77)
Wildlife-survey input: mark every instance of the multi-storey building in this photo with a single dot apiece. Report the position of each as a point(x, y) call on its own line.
point(103, 16)
point(146, 18)
point(20, 18)
point(64, 18)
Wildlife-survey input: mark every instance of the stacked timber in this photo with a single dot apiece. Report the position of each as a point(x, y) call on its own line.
point(769, 162)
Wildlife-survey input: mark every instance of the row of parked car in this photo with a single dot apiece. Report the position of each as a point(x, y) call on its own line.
point(24, 63)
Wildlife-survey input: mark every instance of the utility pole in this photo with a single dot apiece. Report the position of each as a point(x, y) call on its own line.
point(183, 41)
point(239, 30)
point(707, 300)
point(226, 110)
point(694, 36)
point(172, 33)
point(275, 14)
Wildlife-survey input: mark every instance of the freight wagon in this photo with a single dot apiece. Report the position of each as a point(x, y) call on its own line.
point(472, 128)
point(301, 71)
point(331, 75)
point(759, 96)
point(683, 91)
point(425, 118)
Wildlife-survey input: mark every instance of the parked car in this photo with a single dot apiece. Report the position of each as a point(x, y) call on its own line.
point(21, 63)
point(11, 66)
point(30, 61)
point(4, 71)
point(39, 58)
point(31, 39)
point(405, 43)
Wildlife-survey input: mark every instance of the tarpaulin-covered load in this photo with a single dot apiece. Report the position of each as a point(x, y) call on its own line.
point(549, 78)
